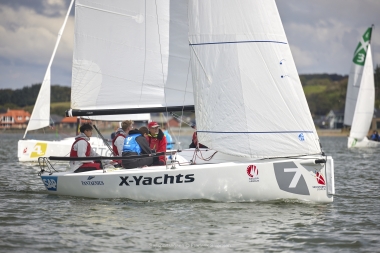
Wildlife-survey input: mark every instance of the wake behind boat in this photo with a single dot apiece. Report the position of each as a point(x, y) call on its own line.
point(250, 107)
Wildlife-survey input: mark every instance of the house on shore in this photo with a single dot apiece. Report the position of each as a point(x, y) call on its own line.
point(14, 119)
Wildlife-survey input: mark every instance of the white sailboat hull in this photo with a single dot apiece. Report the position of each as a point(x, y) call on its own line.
point(365, 143)
point(298, 179)
point(31, 150)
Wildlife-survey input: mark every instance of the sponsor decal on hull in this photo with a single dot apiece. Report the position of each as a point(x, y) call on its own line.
point(320, 180)
point(165, 179)
point(51, 183)
point(89, 181)
point(253, 173)
point(38, 150)
point(290, 179)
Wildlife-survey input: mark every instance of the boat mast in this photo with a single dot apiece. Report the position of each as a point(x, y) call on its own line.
point(47, 74)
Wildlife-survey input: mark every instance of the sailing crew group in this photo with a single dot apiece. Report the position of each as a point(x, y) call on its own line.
point(127, 141)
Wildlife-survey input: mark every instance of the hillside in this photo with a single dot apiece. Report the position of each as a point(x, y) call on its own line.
point(324, 92)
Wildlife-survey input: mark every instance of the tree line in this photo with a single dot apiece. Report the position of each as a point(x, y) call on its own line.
point(324, 92)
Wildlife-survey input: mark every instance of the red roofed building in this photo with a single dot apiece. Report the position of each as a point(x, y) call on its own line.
point(14, 119)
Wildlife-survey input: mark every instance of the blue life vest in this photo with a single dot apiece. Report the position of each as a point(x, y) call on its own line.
point(169, 140)
point(131, 145)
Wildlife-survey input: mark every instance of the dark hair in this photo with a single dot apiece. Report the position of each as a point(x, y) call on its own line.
point(144, 130)
point(84, 127)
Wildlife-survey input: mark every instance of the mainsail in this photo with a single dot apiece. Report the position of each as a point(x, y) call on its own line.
point(249, 99)
point(355, 76)
point(130, 54)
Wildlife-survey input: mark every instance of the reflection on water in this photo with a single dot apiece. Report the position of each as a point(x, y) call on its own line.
point(33, 221)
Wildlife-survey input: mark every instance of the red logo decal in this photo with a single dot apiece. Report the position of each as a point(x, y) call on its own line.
point(320, 178)
point(25, 150)
point(252, 171)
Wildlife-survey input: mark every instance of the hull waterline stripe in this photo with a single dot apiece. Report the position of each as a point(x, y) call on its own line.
point(237, 42)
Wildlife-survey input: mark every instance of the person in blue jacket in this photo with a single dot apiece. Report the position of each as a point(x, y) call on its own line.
point(169, 139)
point(136, 144)
point(375, 136)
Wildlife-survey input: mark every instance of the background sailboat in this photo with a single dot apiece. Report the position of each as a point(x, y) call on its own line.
point(29, 150)
point(245, 90)
point(360, 98)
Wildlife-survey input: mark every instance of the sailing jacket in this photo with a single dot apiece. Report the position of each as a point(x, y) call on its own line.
point(194, 142)
point(81, 148)
point(158, 143)
point(131, 145)
point(143, 149)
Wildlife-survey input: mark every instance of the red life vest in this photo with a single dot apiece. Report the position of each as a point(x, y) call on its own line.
point(74, 153)
point(115, 150)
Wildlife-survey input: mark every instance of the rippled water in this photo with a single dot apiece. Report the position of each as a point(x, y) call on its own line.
point(33, 221)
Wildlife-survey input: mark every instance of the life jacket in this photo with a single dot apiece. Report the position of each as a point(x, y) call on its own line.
point(114, 148)
point(74, 153)
point(131, 145)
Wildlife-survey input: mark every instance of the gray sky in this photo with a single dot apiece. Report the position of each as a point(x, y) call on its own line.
point(322, 35)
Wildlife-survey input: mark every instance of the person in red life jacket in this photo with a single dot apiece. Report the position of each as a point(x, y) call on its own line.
point(194, 141)
point(136, 144)
point(82, 148)
point(118, 140)
point(157, 142)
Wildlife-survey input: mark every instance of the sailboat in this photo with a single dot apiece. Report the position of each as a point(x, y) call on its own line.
point(360, 98)
point(231, 63)
point(29, 150)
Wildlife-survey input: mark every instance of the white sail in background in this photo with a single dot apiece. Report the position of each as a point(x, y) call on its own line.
point(130, 54)
point(248, 96)
point(365, 102)
point(41, 112)
point(355, 76)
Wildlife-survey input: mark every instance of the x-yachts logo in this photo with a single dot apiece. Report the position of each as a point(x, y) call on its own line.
point(289, 178)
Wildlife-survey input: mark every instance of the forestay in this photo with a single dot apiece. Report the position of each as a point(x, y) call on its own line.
point(130, 54)
point(248, 97)
point(355, 76)
point(365, 102)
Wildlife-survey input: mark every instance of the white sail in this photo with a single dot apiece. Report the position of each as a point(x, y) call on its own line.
point(355, 77)
point(41, 112)
point(365, 102)
point(248, 97)
point(130, 54)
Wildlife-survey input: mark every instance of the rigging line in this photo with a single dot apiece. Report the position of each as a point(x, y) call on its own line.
point(162, 65)
point(204, 70)
point(143, 81)
point(104, 140)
